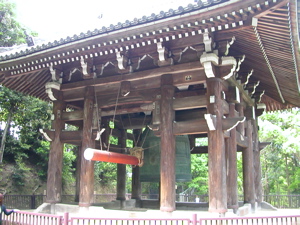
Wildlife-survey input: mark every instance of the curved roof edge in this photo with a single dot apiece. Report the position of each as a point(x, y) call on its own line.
point(119, 26)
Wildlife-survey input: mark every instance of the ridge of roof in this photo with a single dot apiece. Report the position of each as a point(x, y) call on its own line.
point(105, 29)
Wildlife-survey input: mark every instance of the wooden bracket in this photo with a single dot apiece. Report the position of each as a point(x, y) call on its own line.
point(242, 59)
point(248, 77)
point(229, 61)
point(211, 121)
point(228, 45)
point(163, 53)
point(48, 134)
point(262, 145)
point(154, 127)
point(208, 42)
point(208, 60)
point(49, 89)
point(56, 75)
point(122, 60)
point(86, 66)
point(231, 122)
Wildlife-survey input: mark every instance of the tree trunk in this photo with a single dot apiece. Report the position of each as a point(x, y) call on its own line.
point(5, 131)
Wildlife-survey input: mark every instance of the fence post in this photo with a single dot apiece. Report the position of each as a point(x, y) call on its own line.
point(32, 204)
point(66, 219)
point(194, 219)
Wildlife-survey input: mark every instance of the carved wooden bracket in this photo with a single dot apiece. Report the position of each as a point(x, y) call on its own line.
point(208, 42)
point(248, 78)
point(211, 121)
point(228, 45)
point(99, 133)
point(122, 60)
point(48, 134)
point(163, 53)
point(262, 145)
point(208, 60)
point(49, 89)
point(231, 122)
point(227, 123)
point(56, 75)
point(229, 61)
point(86, 66)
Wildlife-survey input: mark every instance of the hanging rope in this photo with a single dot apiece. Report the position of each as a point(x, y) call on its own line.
point(114, 116)
point(98, 118)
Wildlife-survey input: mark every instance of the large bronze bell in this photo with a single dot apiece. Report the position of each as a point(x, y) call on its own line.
point(150, 171)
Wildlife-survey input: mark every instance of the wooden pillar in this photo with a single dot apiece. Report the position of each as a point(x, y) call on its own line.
point(55, 163)
point(248, 175)
point(78, 169)
point(216, 149)
point(167, 159)
point(257, 165)
point(87, 166)
point(121, 172)
point(232, 186)
point(136, 189)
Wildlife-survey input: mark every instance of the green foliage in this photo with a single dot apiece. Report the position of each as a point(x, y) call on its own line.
point(68, 168)
point(281, 159)
point(113, 140)
point(11, 31)
point(199, 167)
point(28, 116)
point(129, 143)
point(106, 173)
point(19, 171)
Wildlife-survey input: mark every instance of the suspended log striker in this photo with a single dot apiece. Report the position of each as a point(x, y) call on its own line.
point(112, 157)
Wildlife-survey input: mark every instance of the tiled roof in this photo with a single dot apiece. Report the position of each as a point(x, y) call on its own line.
point(135, 22)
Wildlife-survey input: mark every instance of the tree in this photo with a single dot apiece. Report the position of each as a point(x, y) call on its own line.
point(281, 159)
point(11, 32)
point(27, 115)
point(10, 102)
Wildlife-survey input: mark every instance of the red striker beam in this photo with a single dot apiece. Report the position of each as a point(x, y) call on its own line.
point(105, 156)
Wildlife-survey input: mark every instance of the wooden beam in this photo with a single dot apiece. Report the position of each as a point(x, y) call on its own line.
point(197, 126)
point(135, 97)
point(135, 122)
point(232, 122)
point(147, 107)
point(190, 102)
point(249, 101)
point(241, 140)
point(262, 145)
point(193, 114)
point(73, 115)
point(189, 78)
point(175, 69)
point(199, 150)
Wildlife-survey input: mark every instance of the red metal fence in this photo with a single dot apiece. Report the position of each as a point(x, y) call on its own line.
point(27, 218)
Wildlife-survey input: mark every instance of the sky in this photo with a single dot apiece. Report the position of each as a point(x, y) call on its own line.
point(57, 19)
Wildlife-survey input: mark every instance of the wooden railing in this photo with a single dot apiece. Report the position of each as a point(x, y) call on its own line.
point(27, 218)
point(33, 201)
